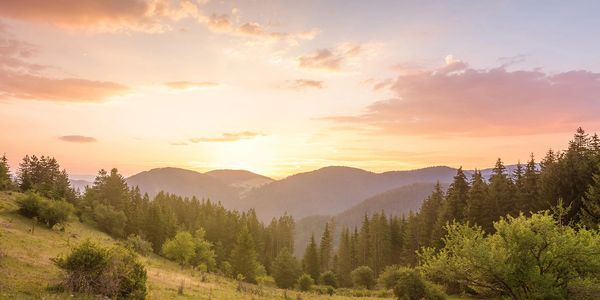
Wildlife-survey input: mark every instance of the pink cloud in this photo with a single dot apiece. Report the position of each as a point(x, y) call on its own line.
point(23, 80)
point(101, 15)
point(227, 137)
point(77, 139)
point(459, 100)
point(299, 84)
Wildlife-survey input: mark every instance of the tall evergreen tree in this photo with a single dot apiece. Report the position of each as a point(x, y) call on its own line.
point(479, 209)
point(501, 192)
point(344, 259)
point(243, 256)
point(591, 204)
point(326, 248)
point(380, 243)
point(456, 198)
point(530, 189)
point(5, 178)
point(364, 247)
point(310, 263)
point(428, 215)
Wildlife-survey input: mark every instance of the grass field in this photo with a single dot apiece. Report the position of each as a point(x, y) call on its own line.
point(27, 272)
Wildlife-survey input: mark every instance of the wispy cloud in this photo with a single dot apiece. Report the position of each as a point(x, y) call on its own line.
point(335, 59)
point(77, 139)
point(20, 79)
point(180, 85)
point(456, 99)
point(152, 16)
point(227, 137)
point(299, 84)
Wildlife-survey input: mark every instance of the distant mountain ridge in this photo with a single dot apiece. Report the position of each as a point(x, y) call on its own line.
point(327, 191)
point(225, 186)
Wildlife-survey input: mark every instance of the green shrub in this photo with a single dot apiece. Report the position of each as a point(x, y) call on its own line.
point(110, 220)
point(363, 276)
point(114, 273)
point(30, 204)
point(55, 212)
point(286, 269)
point(389, 277)
point(48, 212)
point(266, 280)
point(305, 282)
point(410, 285)
point(138, 244)
point(328, 278)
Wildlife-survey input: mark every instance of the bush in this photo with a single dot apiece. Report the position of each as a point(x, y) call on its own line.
point(110, 220)
point(323, 290)
point(55, 212)
point(30, 204)
point(328, 278)
point(114, 273)
point(138, 244)
point(266, 280)
point(180, 248)
point(390, 276)
point(49, 212)
point(412, 286)
point(286, 269)
point(305, 282)
point(363, 276)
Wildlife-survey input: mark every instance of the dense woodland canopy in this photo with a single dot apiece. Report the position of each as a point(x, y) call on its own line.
point(203, 234)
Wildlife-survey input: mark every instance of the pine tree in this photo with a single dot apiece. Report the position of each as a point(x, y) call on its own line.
point(243, 256)
point(5, 178)
point(364, 248)
point(326, 249)
point(380, 243)
point(479, 210)
point(344, 255)
point(430, 210)
point(310, 263)
point(396, 241)
point(501, 192)
point(530, 189)
point(456, 199)
point(591, 204)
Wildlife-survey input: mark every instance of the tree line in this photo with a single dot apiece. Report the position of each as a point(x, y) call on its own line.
point(569, 178)
point(194, 232)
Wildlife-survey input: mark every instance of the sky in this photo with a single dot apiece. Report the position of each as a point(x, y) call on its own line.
point(281, 87)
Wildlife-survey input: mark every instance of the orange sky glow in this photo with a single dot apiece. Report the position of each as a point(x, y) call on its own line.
point(281, 87)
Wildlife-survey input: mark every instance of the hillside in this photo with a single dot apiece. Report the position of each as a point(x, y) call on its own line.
point(331, 190)
point(27, 271)
point(184, 183)
point(397, 201)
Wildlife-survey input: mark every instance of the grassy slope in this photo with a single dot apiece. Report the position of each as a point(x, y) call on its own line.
point(26, 269)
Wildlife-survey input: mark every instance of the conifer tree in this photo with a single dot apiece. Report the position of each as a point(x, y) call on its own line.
point(591, 204)
point(501, 192)
point(479, 210)
point(396, 241)
point(326, 249)
point(428, 215)
point(5, 178)
point(344, 259)
point(310, 263)
point(380, 243)
point(243, 256)
point(456, 199)
point(530, 188)
point(364, 248)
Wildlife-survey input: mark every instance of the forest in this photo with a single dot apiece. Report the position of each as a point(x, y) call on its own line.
point(529, 234)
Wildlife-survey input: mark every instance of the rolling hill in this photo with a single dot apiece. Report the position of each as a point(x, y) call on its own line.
point(331, 190)
point(398, 201)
